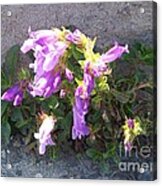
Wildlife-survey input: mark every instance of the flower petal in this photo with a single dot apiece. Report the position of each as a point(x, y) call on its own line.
point(27, 45)
point(9, 95)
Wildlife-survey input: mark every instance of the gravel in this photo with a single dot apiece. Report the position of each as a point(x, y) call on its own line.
point(19, 163)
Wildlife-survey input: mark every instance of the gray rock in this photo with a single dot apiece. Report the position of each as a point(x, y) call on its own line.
point(121, 21)
point(9, 166)
point(38, 175)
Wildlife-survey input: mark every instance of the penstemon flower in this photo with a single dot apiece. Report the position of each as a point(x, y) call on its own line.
point(114, 53)
point(131, 129)
point(77, 37)
point(69, 75)
point(38, 38)
point(48, 50)
point(55, 51)
point(80, 109)
point(81, 104)
point(44, 134)
point(15, 93)
point(79, 128)
point(46, 85)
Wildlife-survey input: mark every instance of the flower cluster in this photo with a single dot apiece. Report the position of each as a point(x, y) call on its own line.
point(94, 66)
point(51, 49)
point(48, 50)
point(131, 129)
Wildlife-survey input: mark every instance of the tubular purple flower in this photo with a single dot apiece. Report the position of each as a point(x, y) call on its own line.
point(69, 75)
point(131, 129)
point(75, 37)
point(15, 93)
point(81, 101)
point(10, 94)
point(27, 45)
point(114, 53)
point(18, 98)
point(130, 123)
point(81, 104)
point(47, 52)
point(88, 78)
point(40, 37)
point(79, 128)
point(99, 68)
point(46, 85)
point(44, 135)
point(80, 109)
point(52, 58)
point(128, 146)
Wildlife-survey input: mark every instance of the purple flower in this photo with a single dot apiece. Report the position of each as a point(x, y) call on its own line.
point(81, 100)
point(130, 123)
point(79, 128)
point(44, 135)
point(81, 104)
point(46, 85)
point(114, 53)
point(80, 109)
point(99, 68)
point(53, 56)
point(40, 37)
point(75, 37)
point(47, 49)
point(62, 93)
point(15, 93)
point(88, 78)
point(128, 146)
point(18, 98)
point(69, 75)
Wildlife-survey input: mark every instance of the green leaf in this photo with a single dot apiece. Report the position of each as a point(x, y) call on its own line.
point(4, 106)
point(18, 118)
point(77, 53)
point(94, 154)
point(17, 115)
point(11, 59)
point(5, 82)
point(120, 96)
point(22, 123)
point(79, 82)
point(5, 131)
point(24, 74)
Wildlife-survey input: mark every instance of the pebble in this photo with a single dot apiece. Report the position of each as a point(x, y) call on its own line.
point(39, 175)
point(142, 10)
point(9, 13)
point(8, 151)
point(9, 166)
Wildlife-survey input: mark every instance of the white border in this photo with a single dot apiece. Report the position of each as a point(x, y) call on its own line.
point(59, 1)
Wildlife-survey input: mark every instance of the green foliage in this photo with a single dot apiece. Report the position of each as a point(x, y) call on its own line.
point(12, 57)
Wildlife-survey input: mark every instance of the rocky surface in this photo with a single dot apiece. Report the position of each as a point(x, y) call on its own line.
point(121, 21)
point(17, 162)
